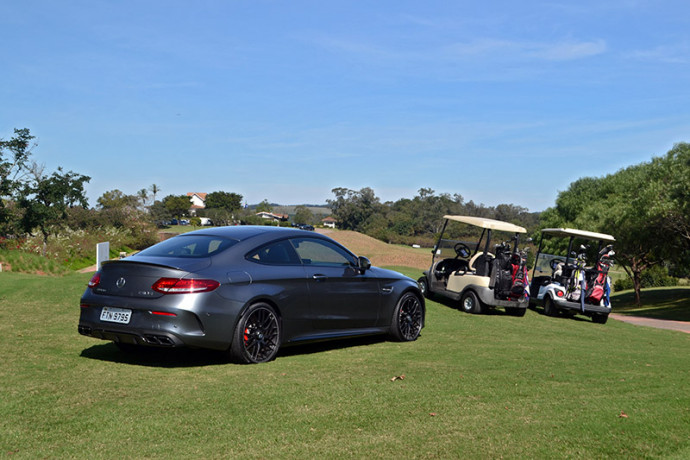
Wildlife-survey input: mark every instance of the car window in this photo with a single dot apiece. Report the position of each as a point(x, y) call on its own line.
point(320, 252)
point(194, 246)
point(277, 253)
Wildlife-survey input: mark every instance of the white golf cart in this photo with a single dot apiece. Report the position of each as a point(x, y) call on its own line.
point(562, 284)
point(472, 274)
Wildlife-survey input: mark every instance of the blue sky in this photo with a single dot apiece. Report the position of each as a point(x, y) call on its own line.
point(498, 101)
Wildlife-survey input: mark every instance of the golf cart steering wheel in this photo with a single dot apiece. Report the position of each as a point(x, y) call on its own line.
point(461, 250)
point(554, 263)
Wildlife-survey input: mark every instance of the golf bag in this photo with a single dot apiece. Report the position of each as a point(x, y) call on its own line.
point(519, 280)
point(501, 280)
point(577, 281)
point(599, 286)
point(509, 273)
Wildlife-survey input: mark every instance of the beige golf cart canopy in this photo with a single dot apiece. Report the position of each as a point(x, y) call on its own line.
point(490, 224)
point(567, 232)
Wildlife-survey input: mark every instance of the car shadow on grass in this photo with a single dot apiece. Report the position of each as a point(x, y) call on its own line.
point(186, 357)
point(155, 357)
point(320, 347)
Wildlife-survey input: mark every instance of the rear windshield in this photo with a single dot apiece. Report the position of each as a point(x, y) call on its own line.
point(195, 246)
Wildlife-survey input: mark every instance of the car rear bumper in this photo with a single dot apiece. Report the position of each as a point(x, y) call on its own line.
point(183, 329)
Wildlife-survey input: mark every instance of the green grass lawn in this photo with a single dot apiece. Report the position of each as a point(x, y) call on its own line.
point(486, 386)
point(659, 303)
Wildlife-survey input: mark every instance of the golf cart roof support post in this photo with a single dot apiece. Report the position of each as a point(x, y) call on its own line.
point(479, 243)
point(541, 241)
point(438, 245)
point(570, 248)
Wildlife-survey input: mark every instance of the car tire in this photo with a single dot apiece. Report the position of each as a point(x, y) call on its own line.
point(549, 307)
point(408, 318)
point(470, 303)
point(257, 335)
point(516, 311)
point(600, 319)
point(424, 287)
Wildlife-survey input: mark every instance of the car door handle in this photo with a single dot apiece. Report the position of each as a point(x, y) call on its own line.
point(319, 278)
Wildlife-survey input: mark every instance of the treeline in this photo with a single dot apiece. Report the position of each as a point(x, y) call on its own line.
point(32, 200)
point(417, 220)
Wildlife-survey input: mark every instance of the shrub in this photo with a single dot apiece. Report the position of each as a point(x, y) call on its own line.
point(657, 276)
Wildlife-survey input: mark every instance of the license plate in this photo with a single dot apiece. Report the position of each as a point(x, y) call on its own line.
point(116, 315)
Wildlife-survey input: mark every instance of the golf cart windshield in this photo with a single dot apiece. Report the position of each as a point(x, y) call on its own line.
point(446, 248)
point(543, 264)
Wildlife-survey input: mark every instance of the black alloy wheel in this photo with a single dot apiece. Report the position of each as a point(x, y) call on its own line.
point(257, 336)
point(407, 319)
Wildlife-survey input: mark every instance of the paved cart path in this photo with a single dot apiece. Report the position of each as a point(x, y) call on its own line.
point(658, 323)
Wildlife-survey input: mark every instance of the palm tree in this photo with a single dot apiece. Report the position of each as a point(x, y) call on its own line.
point(154, 190)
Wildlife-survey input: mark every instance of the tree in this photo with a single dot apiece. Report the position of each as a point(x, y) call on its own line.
point(155, 190)
point(670, 193)
point(303, 215)
point(143, 197)
point(14, 169)
point(46, 199)
point(177, 205)
point(159, 214)
point(264, 206)
point(115, 199)
point(223, 200)
point(352, 208)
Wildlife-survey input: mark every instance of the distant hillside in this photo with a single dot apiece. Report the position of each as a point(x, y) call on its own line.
point(321, 211)
point(316, 209)
point(380, 253)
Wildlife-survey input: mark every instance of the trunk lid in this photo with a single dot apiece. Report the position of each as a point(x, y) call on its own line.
point(134, 278)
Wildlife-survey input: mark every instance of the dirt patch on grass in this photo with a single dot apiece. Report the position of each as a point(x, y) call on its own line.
point(380, 253)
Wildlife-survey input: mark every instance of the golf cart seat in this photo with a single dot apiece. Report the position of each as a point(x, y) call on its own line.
point(481, 264)
point(448, 266)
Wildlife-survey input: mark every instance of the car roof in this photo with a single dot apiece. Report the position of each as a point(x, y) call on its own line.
point(579, 233)
point(243, 232)
point(487, 223)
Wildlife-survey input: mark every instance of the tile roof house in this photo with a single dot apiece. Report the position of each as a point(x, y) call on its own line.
point(198, 201)
point(329, 222)
point(274, 217)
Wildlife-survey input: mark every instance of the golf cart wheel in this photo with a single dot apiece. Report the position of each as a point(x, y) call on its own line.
point(549, 307)
point(470, 303)
point(600, 319)
point(424, 287)
point(516, 311)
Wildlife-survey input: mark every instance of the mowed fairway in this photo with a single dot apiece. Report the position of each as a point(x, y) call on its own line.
point(471, 387)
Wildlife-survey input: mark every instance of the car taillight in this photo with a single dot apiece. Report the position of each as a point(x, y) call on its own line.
point(559, 293)
point(95, 280)
point(163, 313)
point(184, 286)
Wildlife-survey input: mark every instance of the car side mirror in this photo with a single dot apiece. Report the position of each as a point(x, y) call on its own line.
point(363, 264)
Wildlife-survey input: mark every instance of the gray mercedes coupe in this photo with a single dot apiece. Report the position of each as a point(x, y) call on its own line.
point(247, 290)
